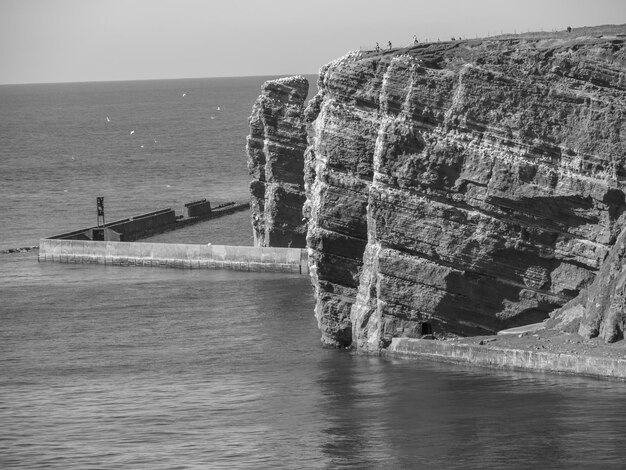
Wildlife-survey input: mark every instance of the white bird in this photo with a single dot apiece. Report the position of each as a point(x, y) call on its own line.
point(184, 94)
point(132, 132)
point(218, 108)
point(212, 117)
point(108, 120)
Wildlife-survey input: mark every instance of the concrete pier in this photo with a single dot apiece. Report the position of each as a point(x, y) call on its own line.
point(175, 255)
point(487, 355)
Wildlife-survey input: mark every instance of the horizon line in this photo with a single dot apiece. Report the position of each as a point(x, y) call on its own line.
point(152, 79)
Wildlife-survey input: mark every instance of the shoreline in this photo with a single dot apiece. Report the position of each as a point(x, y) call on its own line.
point(542, 352)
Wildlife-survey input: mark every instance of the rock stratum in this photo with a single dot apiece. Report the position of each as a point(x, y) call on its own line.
point(275, 149)
point(460, 188)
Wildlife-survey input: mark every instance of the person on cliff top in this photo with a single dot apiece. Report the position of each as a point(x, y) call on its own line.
point(389, 45)
point(377, 48)
point(415, 41)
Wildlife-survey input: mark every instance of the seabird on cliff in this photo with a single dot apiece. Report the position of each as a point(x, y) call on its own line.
point(132, 132)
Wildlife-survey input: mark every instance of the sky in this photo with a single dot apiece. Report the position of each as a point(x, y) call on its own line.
point(43, 41)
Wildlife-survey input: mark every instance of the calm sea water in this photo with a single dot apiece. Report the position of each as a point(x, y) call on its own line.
point(109, 367)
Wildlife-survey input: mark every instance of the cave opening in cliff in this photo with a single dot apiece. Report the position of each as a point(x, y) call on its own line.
point(427, 329)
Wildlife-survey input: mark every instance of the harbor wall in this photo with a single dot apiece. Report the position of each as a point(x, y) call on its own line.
point(129, 229)
point(143, 225)
point(175, 255)
point(508, 358)
point(152, 223)
point(198, 208)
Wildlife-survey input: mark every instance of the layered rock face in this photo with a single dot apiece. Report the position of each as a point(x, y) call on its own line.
point(461, 188)
point(275, 150)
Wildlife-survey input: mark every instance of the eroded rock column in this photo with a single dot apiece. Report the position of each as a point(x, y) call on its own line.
point(275, 149)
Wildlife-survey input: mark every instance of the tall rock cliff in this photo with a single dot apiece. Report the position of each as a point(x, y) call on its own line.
point(275, 150)
point(459, 188)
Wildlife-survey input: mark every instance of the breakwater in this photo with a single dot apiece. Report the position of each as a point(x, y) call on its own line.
point(175, 255)
point(153, 223)
point(114, 244)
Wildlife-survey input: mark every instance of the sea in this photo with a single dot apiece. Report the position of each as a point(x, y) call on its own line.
point(105, 367)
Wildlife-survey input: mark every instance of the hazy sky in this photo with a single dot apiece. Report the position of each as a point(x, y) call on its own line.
point(84, 40)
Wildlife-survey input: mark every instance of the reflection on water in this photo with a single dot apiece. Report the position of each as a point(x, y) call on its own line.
point(404, 414)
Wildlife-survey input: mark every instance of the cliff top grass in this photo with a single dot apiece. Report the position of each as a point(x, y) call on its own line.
point(591, 32)
point(608, 30)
